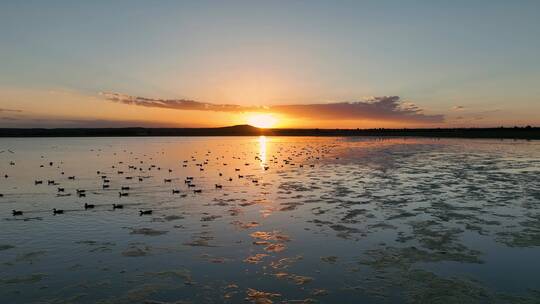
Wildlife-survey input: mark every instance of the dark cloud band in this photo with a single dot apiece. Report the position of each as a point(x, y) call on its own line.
point(388, 108)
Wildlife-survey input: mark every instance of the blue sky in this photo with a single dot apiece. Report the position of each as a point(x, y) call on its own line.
point(475, 62)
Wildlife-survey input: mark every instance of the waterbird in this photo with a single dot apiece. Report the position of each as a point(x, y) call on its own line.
point(57, 211)
point(117, 206)
point(61, 189)
point(197, 191)
point(16, 212)
point(120, 194)
point(38, 182)
point(124, 188)
point(141, 212)
point(175, 191)
point(88, 206)
point(218, 186)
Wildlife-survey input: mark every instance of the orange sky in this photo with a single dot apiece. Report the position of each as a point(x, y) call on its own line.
point(60, 107)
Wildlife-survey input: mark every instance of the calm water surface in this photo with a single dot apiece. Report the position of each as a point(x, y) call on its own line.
point(297, 220)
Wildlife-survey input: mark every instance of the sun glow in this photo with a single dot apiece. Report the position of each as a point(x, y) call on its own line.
point(262, 120)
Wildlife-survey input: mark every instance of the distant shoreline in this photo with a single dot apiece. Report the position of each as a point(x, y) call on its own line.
point(246, 130)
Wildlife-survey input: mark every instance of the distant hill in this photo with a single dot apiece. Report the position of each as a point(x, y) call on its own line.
point(247, 130)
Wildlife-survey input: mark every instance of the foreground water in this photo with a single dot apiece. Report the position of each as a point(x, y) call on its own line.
point(296, 220)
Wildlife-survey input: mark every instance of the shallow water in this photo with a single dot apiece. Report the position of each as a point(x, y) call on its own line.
point(331, 220)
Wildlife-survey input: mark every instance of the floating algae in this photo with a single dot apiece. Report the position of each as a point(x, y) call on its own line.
point(296, 279)
point(245, 225)
point(260, 297)
point(147, 231)
point(255, 259)
point(329, 259)
point(136, 250)
point(33, 278)
point(270, 236)
point(275, 247)
point(97, 246)
point(6, 247)
point(30, 257)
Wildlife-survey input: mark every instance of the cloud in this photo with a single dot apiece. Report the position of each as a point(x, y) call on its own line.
point(375, 108)
point(388, 108)
point(177, 104)
point(9, 110)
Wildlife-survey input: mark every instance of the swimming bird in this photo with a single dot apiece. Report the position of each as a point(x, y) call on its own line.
point(141, 212)
point(57, 211)
point(88, 206)
point(218, 186)
point(197, 191)
point(120, 194)
point(16, 212)
point(117, 206)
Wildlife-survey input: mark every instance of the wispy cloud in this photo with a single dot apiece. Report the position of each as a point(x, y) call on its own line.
point(389, 108)
point(9, 110)
point(177, 104)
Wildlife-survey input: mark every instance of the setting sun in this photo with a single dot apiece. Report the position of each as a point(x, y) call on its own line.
point(262, 120)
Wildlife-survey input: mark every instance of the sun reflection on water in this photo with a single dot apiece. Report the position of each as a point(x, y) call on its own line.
point(262, 150)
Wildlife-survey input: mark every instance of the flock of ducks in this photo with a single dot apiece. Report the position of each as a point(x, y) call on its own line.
point(308, 153)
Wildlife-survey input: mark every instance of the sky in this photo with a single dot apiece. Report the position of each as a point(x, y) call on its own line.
point(303, 64)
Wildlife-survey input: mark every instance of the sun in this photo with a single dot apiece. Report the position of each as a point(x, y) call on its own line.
point(262, 120)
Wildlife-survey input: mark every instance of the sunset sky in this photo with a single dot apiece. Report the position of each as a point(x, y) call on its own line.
point(327, 64)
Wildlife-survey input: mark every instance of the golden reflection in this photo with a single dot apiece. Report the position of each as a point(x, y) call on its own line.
point(262, 150)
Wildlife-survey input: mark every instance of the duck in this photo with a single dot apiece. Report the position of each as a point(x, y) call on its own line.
point(218, 186)
point(16, 212)
point(117, 206)
point(58, 211)
point(175, 191)
point(124, 188)
point(88, 206)
point(197, 191)
point(141, 212)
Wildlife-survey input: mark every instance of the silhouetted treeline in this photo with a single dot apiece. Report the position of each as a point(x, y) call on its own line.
point(245, 130)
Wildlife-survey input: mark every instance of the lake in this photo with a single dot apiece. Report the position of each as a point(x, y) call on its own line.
point(269, 220)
